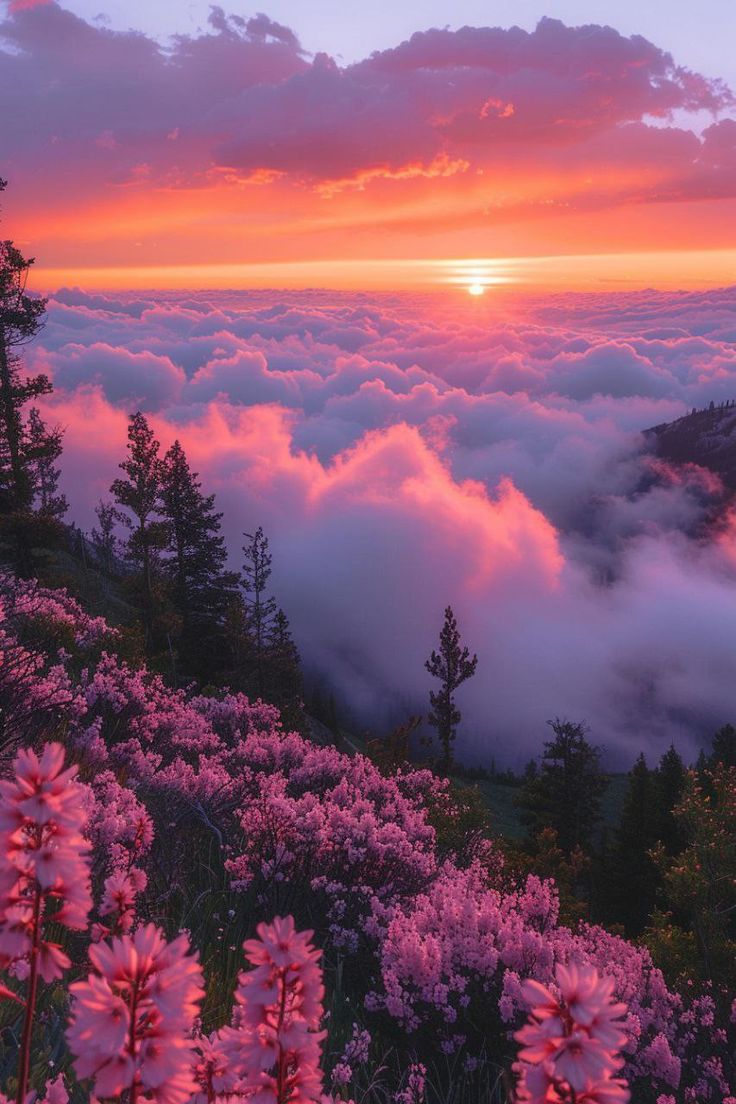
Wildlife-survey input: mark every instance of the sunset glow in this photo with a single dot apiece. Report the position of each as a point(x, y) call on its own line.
point(232, 157)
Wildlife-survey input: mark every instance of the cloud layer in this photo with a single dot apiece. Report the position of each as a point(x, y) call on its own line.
point(404, 452)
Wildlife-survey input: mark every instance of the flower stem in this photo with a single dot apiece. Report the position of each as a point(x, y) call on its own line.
point(24, 1061)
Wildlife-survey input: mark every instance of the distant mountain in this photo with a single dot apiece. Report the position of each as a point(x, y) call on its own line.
point(704, 437)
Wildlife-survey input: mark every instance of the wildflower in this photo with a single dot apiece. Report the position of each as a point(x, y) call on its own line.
point(43, 867)
point(274, 1044)
point(569, 1044)
point(132, 1019)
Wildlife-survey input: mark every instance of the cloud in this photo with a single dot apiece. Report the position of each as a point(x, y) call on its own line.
point(403, 452)
point(203, 144)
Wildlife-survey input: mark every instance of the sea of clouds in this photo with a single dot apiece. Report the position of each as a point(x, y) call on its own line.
point(403, 452)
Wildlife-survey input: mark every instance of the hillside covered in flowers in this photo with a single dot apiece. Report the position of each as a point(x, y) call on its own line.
point(150, 844)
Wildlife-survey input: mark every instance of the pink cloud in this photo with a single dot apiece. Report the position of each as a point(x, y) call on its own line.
point(242, 102)
point(398, 463)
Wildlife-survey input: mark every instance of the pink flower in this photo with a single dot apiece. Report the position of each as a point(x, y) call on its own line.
point(569, 1045)
point(132, 1019)
point(274, 1045)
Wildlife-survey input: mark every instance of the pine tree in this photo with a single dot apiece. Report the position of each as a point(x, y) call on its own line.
point(43, 450)
point(635, 876)
point(565, 793)
point(138, 494)
point(671, 780)
point(724, 747)
point(195, 559)
point(21, 317)
point(260, 608)
point(453, 666)
point(104, 540)
point(284, 672)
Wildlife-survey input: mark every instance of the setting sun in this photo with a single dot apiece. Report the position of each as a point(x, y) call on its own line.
point(476, 289)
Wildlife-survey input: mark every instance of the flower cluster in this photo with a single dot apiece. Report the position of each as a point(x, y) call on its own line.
point(43, 862)
point(569, 1047)
point(274, 1043)
point(445, 942)
point(44, 874)
point(132, 1018)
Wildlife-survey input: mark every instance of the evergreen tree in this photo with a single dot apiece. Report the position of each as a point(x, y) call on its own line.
point(44, 449)
point(453, 666)
point(635, 876)
point(284, 662)
point(104, 540)
point(565, 793)
point(138, 494)
point(260, 608)
point(724, 747)
point(21, 317)
point(195, 560)
point(671, 779)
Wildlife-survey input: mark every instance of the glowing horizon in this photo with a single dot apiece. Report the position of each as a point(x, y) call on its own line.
point(677, 269)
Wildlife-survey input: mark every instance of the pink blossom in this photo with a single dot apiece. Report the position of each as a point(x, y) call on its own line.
point(132, 1019)
point(274, 1044)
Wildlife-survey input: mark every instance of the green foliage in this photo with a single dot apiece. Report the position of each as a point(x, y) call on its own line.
point(565, 791)
point(194, 564)
point(724, 747)
point(137, 495)
point(699, 884)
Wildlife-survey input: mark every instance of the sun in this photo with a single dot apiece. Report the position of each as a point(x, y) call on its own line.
point(476, 289)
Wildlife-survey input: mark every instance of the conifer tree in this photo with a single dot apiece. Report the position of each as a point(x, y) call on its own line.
point(565, 793)
point(284, 672)
point(452, 665)
point(138, 494)
point(43, 450)
point(260, 607)
point(196, 556)
point(21, 317)
point(104, 540)
point(671, 780)
point(635, 875)
point(724, 747)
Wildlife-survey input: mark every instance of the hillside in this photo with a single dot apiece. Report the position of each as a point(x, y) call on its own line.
point(704, 437)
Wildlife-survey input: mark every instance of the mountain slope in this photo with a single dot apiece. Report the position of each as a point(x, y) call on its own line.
point(703, 437)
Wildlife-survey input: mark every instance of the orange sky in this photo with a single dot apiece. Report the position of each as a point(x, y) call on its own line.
point(569, 157)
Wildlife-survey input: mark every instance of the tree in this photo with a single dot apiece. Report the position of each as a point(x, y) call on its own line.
point(43, 450)
point(284, 662)
point(634, 876)
point(104, 540)
point(724, 747)
point(700, 882)
point(195, 558)
point(21, 317)
point(260, 608)
point(138, 493)
point(453, 666)
point(671, 777)
point(565, 793)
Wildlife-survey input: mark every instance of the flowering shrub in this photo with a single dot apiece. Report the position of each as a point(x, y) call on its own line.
point(437, 948)
point(43, 876)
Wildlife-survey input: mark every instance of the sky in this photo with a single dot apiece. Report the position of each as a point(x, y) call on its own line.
point(319, 144)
